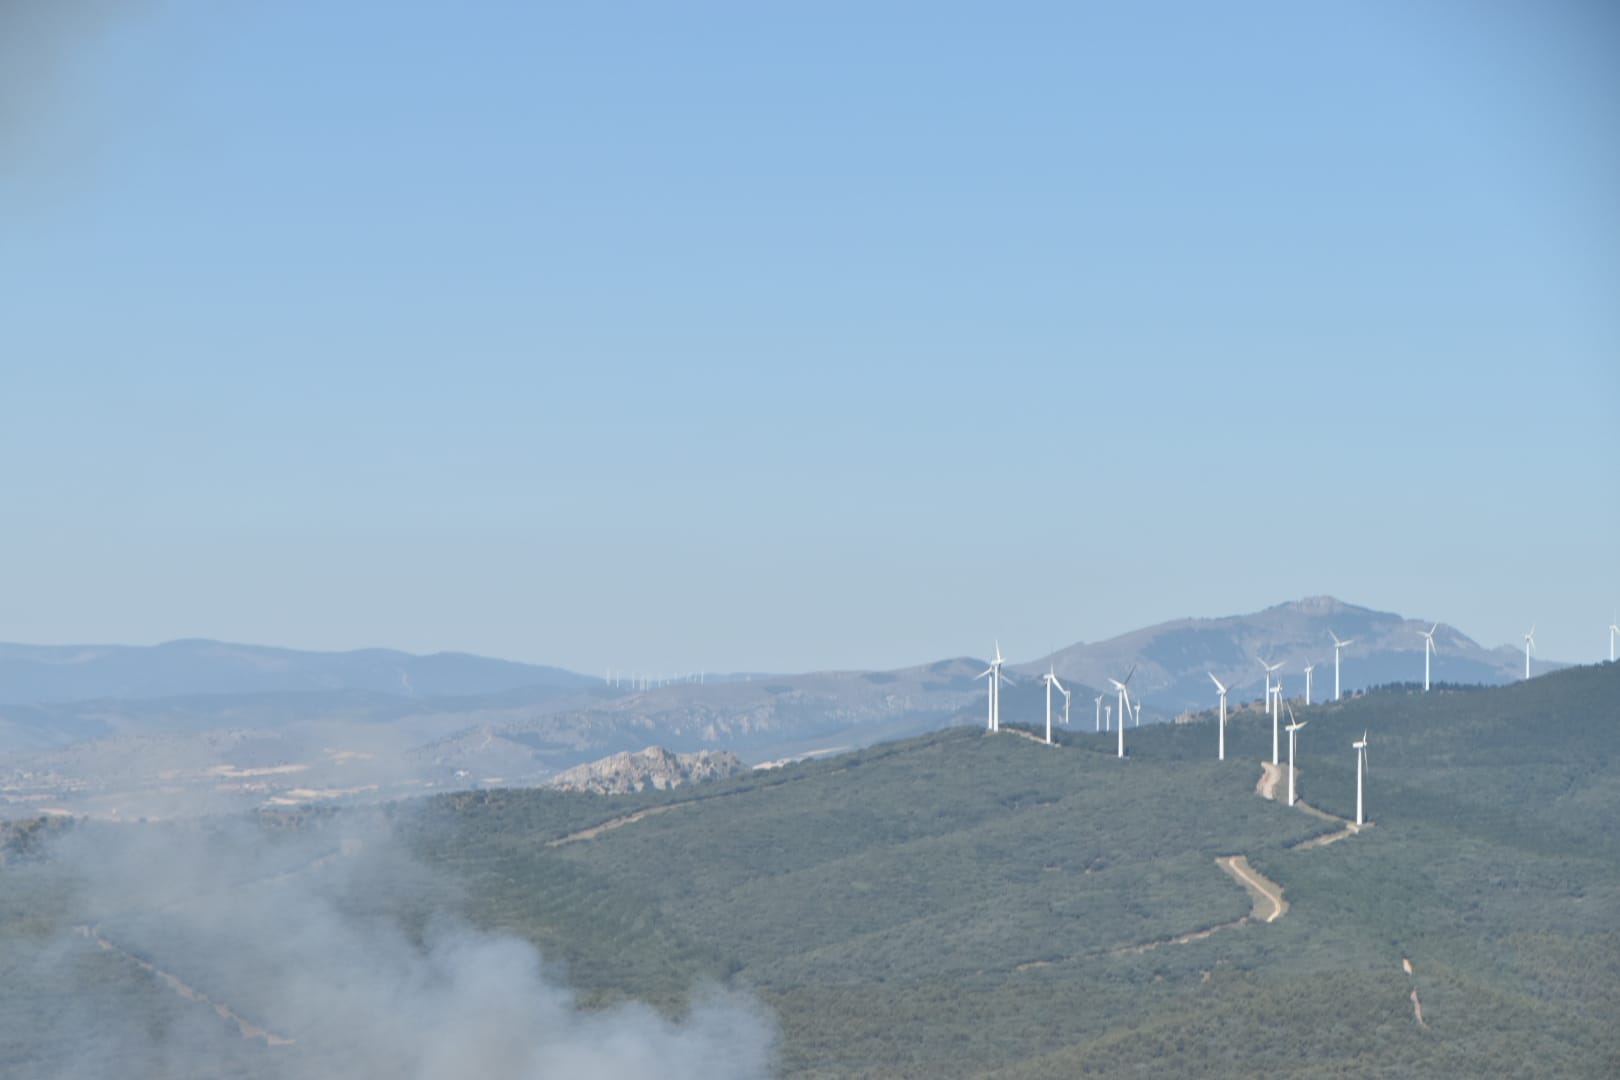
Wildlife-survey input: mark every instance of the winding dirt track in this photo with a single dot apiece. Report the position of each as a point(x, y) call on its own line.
point(1265, 893)
point(618, 822)
point(1265, 898)
point(245, 1028)
point(1270, 776)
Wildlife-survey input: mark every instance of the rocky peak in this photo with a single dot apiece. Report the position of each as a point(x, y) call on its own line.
point(654, 768)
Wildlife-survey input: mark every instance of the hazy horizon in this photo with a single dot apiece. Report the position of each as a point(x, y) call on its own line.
point(804, 340)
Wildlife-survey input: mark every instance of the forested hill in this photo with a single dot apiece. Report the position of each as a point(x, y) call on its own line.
point(967, 904)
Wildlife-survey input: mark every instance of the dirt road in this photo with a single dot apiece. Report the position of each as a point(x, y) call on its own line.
point(1265, 897)
point(244, 1028)
point(1270, 776)
point(1269, 905)
point(618, 822)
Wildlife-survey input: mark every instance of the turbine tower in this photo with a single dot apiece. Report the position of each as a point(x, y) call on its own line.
point(1293, 737)
point(1361, 768)
point(1276, 719)
point(1271, 704)
point(1614, 628)
point(1124, 705)
point(1108, 718)
point(1221, 754)
point(1529, 643)
point(1099, 710)
point(1428, 651)
point(1051, 680)
point(993, 673)
point(1308, 669)
point(1337, 645)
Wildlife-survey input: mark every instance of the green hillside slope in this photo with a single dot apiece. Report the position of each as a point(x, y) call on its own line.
point(972, 905)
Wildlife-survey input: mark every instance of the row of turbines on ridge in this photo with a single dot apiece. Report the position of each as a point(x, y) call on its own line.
point(1274, 702)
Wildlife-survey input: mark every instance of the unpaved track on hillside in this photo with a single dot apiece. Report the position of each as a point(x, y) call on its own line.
point(639, 815)
point(1269, 905)
point(1270, 776)
point(618, 822)
point(244, 1028)
point(1265, 899)
point(1266, 787)
point(1350, 828)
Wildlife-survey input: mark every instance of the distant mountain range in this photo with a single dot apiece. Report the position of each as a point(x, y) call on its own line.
point(87, 728)
point(34, 674)
point(1173, 660)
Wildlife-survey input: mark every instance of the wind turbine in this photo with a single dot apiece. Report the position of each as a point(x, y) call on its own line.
point(1051, 680)
point(1270, 704)
point(993, 672)
point(1529, 643)
point(1428, 651)
point(1614, 628)
point(1099, 710)
point(1108, 718)
point(1222, 754)
point(1337, 645)
point(1293, 737)
point(1138, 714)
point(1124, 705)
point(1269, 669)
point(1361, 767)
point(1308, 669)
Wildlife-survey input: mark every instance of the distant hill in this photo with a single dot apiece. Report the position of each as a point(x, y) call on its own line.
point(1172, 660)
point(32, 674)
point(775, 717)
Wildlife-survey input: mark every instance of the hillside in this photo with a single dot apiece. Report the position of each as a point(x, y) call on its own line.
point(967, 905)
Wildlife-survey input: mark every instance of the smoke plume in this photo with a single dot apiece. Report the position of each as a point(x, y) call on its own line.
point(230, 948)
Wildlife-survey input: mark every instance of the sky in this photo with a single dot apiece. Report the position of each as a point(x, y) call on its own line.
point(794, 336)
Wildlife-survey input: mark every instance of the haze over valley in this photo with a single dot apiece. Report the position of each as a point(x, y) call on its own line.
point(192, 726)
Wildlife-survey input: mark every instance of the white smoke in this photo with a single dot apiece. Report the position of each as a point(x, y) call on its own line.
point(282, 953)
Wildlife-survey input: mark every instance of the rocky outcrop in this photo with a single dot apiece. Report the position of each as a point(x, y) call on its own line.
point(654, 768)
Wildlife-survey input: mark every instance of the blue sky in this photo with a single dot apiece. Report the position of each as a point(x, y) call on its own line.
point(740, 336)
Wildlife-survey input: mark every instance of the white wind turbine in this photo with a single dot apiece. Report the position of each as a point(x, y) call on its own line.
point(1221, 756)
point(1614, 628)
point(1337, 645)
point(1124, 705)
point(993, 673)
point(1272, 705)
point(1293, 737)
point(1137, 714)
point(1529, 643)
point(1276, 718)
point(1308, 669)
point(1051, 680)
point(1099, 710)
point(1428, 651)
point(1108, 718)
point(1361, 768)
